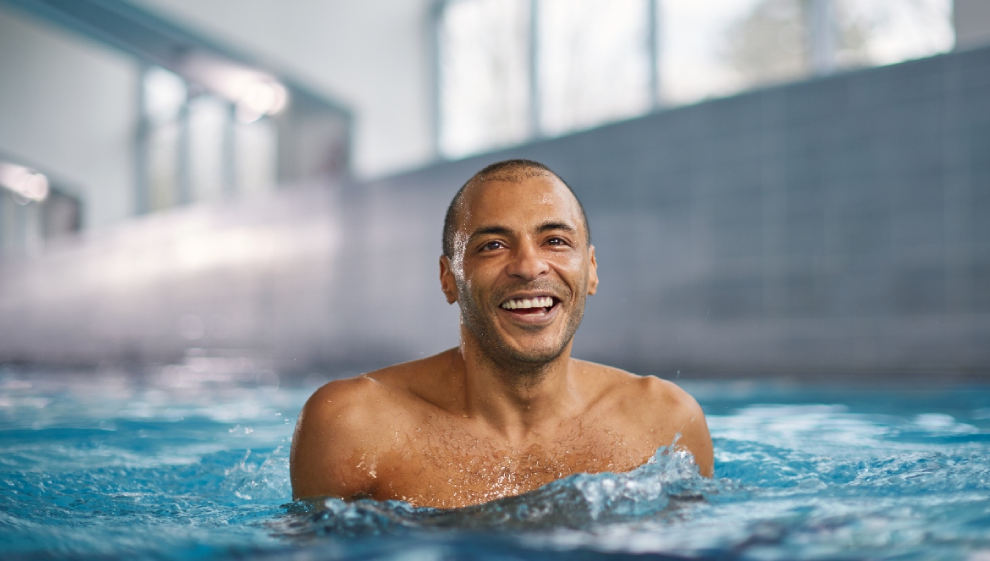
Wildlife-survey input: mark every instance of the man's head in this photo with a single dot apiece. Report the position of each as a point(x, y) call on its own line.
point(506, 170)
point(518, 260)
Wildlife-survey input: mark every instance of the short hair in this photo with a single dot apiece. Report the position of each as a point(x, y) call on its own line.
point(514, 171)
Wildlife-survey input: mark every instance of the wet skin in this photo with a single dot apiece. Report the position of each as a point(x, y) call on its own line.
point(508, 410)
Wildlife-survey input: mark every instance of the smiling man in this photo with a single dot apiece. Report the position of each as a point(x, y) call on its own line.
point(508, 410)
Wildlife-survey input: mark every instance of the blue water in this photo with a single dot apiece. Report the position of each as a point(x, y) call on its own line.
point(103, 466)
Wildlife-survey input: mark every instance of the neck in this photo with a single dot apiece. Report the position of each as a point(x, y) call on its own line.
point(515, 398)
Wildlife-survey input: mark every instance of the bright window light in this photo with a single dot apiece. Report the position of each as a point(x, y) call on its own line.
point(594, 62)
point(592, 57)
point(27, 184)
point(878, 32)
point(164, 95)
point(484, 75)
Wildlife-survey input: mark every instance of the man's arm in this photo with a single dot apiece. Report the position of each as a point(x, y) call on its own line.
point(333, 450)
point(695, 436)
point(679, 413)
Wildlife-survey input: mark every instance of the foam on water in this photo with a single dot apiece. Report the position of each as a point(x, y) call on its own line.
point(578, 501)
point(112, 468)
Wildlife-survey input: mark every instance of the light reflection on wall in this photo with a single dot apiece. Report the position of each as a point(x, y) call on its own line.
point(254, 93)
point(260, 99)
point(28, 184)
point(32, 210)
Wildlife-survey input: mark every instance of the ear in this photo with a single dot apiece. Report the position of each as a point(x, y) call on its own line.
point(447, 284)
point(592, 272)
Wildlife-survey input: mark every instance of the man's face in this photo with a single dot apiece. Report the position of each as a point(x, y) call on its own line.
point(521, 269)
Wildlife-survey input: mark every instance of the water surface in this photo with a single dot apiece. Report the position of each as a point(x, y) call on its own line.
point(102, 465)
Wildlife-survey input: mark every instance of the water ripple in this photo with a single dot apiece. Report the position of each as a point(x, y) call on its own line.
point(180, 473)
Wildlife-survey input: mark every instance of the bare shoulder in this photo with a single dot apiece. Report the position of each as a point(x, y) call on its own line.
point(647, 392)
point(661, 397)
point(341, 402)
point(656, 405)
point(335, 428)
point(344, 429)
point(354, 403)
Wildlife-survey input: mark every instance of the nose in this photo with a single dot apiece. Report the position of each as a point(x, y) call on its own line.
point(527, 263)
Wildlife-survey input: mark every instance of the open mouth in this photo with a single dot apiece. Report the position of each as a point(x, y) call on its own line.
point(530, 306)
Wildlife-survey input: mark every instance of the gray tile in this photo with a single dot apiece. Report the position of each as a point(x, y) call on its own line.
point(918, 290)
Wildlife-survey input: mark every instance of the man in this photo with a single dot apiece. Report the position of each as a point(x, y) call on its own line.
point(508, 410)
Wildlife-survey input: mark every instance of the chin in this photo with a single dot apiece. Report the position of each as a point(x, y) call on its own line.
point(535, 354)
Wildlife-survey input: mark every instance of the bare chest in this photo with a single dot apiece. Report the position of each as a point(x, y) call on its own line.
point(449, 467)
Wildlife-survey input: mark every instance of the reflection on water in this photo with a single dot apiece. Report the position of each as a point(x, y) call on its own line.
point(110, 466)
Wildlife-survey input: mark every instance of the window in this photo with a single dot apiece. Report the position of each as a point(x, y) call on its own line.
point(484, 79)
point(197, 146)
point(512, 70)
point(593, 61)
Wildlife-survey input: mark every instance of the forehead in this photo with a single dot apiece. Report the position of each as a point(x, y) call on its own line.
point(528, 202)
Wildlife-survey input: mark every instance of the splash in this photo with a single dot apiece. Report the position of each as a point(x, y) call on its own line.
point(657, 489)
point(145, 472)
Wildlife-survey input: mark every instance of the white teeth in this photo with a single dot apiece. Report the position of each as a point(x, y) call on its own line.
point(523, 303)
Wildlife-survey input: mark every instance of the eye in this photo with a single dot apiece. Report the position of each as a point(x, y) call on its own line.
point(557, 241)
point(492, 245)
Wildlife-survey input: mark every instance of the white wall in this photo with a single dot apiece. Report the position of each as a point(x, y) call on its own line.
point(373, 55)
point(68, 105)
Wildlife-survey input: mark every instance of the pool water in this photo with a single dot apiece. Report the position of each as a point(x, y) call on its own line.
point(105, 465)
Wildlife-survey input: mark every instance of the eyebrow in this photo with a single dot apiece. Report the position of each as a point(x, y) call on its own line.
point(548, 226)
point(487, 230)
point(503, 231)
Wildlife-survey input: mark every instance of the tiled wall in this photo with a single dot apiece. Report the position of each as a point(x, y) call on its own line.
point(835, 226)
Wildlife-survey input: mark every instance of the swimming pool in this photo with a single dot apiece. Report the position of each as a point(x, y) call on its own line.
point(173, 466)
